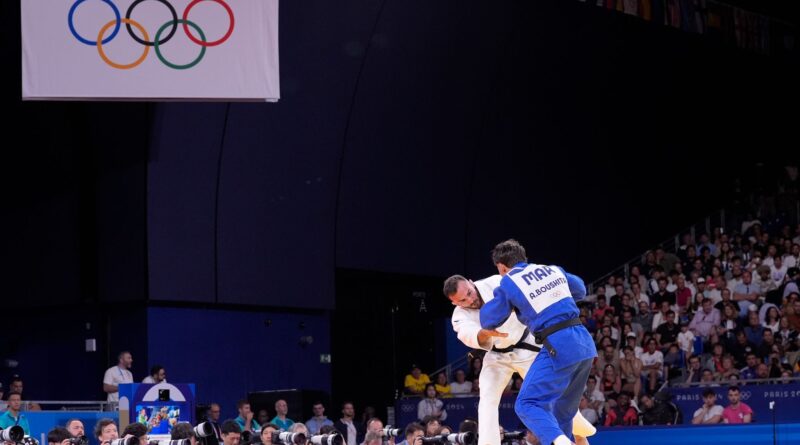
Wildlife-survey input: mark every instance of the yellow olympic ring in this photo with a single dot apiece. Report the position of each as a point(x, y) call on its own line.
point(109, 61)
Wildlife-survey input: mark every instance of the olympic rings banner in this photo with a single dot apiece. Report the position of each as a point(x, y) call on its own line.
point(224, 50)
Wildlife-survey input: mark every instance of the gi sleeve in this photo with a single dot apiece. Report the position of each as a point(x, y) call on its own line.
point(467, 329)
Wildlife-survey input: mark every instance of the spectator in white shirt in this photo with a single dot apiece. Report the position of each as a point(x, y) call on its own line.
point(461, 385)
point(778, 270)
point(652, 365)
point(157, 375)
point(710, 412)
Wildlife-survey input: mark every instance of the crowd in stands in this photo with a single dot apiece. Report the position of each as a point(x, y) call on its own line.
point(719, 311)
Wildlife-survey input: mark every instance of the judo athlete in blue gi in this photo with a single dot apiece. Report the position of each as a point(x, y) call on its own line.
point(543, 298)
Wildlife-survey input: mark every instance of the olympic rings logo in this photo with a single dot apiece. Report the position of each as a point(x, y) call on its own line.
point(158, 40)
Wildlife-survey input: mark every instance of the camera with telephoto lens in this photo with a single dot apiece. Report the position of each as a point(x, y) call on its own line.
point(12, 434)
point(203, 430)
point(172, 442)
point(468, 438)
point(288, 438)
point(328, 439)
point(512, 436)
point(80, 440)
point(391, 432)
point(125, 441)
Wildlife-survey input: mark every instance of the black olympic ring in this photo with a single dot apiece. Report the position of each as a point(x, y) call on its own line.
point(171, 32)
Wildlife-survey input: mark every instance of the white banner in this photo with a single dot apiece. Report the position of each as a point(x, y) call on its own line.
point(150, 50)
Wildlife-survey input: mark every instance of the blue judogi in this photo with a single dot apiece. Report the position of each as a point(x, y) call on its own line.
point(543, 296)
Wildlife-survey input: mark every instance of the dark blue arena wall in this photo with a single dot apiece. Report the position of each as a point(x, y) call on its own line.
point(229, 353)
point(410, 138)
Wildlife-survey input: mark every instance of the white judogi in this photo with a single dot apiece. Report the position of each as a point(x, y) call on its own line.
point(498, 367)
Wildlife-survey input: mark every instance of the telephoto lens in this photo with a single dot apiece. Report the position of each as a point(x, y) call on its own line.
point(468, 438)
point(204, 430)
point(12, 434)
point(175, 442)
point(289, 438)
point(328, 439)
point(390, 432)
point(126, 441)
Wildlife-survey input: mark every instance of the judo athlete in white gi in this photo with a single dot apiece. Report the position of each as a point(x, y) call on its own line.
point(543, 298)
point(510, 349)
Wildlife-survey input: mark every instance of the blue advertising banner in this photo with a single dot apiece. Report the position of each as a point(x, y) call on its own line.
point(757, 397)
point(752, 434)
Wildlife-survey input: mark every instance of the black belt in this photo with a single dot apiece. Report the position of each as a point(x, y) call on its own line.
point(519, 345)
point(541, 336)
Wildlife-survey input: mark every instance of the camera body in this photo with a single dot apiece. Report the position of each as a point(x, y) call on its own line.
point(246, 437)
point(28, 440)
point(80, 440)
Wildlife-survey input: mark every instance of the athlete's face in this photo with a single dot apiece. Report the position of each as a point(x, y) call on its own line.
point(466, 296)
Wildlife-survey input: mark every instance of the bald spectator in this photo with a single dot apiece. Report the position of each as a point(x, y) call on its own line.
point(282, 408)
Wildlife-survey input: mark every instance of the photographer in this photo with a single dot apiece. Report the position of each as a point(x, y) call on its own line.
point(58, 436)
point(375, 424)
point(183, 430)
point(105, 431)
point(266, 433)
point(137, 430)
point(75, 427)
point(231, 432)
point(414, 434)
point(373, 438)
point(298, 427)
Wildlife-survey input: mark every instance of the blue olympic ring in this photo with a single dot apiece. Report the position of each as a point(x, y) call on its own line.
point(94, 42)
